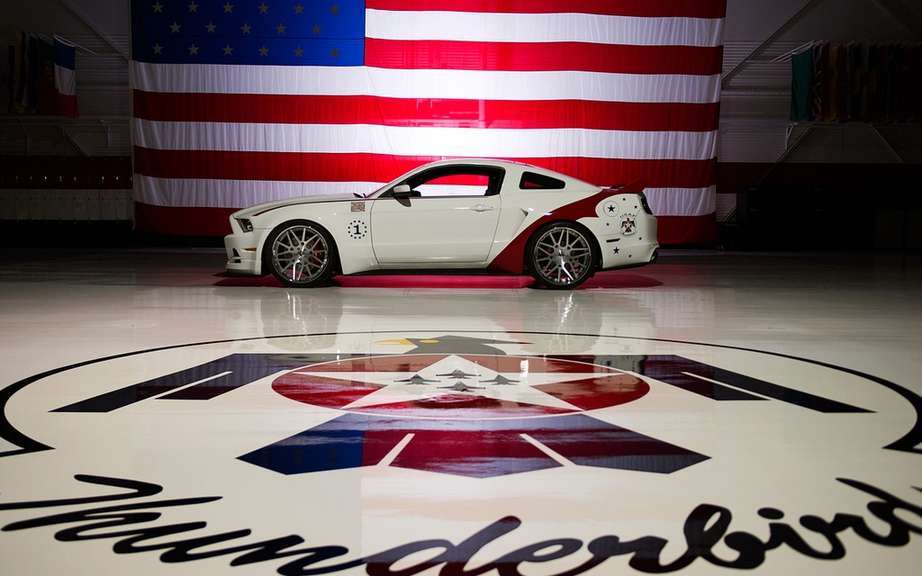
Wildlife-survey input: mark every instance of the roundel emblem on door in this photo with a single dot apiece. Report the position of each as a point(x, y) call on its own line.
point(357, 229)
point(610, 209)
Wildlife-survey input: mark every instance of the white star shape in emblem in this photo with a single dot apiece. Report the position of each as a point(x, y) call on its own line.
point(193, 7)
point(245, 28)
point(298, 8)
point(484, 382)
point(263, 8)
point(157, 48)
point(228, 50)
point(280, 29)
point(158, 7)
point(228, 7)
point(175, 27)
point(210, 27)
point(193, 50)
point(263, 51)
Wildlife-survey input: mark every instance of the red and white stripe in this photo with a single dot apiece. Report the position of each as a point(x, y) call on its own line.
point(605, 90)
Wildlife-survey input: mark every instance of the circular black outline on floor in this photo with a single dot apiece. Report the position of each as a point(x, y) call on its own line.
point(908, 443)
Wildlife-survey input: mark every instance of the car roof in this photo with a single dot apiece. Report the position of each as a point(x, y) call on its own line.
point(468, 161)
point(500, 163)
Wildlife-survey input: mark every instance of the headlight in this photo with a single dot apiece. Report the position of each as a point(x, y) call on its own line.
point(245, 224)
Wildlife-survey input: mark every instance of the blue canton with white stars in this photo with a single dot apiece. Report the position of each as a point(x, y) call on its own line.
point(293, 32)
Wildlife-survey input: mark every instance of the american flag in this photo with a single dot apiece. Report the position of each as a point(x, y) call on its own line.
point(237, 102)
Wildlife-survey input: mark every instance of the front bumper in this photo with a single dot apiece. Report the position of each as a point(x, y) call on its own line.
point(242, 255)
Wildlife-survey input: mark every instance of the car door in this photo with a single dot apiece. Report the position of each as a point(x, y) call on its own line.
point(451, 217)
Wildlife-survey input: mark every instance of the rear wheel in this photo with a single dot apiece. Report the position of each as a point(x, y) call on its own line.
point(300, 254)
point(562, 256)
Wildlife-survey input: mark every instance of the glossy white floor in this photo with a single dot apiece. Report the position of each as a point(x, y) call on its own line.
point(745, 411)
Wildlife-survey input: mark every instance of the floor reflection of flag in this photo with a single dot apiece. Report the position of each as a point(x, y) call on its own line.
point(474, 448)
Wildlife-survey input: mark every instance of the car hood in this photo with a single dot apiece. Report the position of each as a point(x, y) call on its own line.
point(259, 208)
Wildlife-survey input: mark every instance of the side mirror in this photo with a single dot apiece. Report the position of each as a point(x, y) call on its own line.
point(402, 191)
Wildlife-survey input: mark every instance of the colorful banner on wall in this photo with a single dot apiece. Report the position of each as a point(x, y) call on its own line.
point(237, 103)
point(857, 82)
point(65, 77)
point(42, 76)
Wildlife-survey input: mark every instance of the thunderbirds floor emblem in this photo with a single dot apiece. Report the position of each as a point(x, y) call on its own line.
point(494, 435)
point(502, 426)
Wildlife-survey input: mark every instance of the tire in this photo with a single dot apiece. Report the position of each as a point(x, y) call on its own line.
point(300, 254)
point(561, 256)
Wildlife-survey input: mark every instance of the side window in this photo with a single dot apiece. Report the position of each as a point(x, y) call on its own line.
point(455, 185)
point(533, 181)
point(448, 181)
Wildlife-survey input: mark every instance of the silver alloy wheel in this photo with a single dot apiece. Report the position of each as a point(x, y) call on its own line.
point(562, 256)
point(300, 254)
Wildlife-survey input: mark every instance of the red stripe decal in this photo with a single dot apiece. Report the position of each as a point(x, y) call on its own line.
point(542, 56)
point(443, 113)
point(307, 167)
point(512, 258)
point(649, 8)
point(671, 229)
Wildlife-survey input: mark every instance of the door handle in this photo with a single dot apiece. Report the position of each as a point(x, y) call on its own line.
point(481, 208)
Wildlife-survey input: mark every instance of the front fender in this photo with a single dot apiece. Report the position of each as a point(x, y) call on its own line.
point(348, 223)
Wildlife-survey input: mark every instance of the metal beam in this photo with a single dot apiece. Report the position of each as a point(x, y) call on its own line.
point(791, 147)
point(758, 50)
point(72, 141)
point(85, 18)
point(887, 143)
point(905, 17)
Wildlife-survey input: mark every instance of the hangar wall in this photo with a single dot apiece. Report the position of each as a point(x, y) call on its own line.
point(758, 146)
point(93, 179)
point(773, 171)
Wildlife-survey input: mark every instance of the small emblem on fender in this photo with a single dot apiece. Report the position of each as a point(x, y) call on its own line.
point(358, 206)
point(357, 229)
point(628, 225)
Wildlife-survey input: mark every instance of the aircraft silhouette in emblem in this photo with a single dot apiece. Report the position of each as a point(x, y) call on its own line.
point(500, 380)
point(459, 374)
point(460, 387)
point(417, 380)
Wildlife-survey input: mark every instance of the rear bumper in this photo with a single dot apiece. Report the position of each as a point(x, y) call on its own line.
point(632, 255)
point(242, 256)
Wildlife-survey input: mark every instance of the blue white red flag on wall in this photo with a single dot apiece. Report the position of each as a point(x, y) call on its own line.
point(65, 81)
point(243, 101)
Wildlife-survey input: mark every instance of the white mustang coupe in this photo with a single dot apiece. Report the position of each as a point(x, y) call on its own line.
point(454, 214)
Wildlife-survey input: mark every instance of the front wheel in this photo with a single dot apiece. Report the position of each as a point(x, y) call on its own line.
point(561, 256)
point(300, 254)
